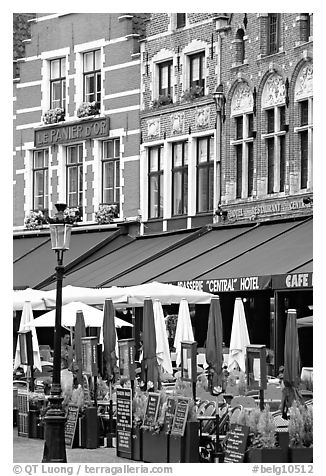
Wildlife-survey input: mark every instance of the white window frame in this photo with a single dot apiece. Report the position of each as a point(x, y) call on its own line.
point(162, 56)
point(194, 47)
point(244, 142)
point(46, 58)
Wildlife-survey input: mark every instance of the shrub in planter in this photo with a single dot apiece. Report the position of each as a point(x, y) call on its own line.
point(35, 220)
point(87, 109)
point(301, 434)
point(138, 413)
point(53, 116)
point(106, 214)
point(192, 93)
point(263, 445)
point(161, 101)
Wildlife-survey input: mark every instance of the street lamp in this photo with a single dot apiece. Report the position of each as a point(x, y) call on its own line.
point(219, 99)
point(54, 446)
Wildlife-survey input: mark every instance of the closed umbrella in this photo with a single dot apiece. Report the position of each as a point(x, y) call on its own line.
point(162, 343)
point(214, 343)
point(292, 365)
point(184, 330)
point(27, 316)
point(239, 337)
point(109, 342)
point(149, 362)
point(80, 331)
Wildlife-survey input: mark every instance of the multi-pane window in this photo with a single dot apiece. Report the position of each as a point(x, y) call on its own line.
point(181, 20)
point(155, 182)
point(305, 114)
point(92, 76)
point(244, 159)
point(111, 172)
point(165, 79)
point(275, 140)
point(197, 78)
point(273, 33)
point(58, 83)
point(179, 178)
point(75, 176)
point(40, 179)
point(205, 174)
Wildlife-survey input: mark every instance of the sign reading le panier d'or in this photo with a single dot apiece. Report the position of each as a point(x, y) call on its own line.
point(67, 132)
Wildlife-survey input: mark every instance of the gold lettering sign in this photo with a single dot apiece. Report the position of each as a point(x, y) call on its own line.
point(71, 132)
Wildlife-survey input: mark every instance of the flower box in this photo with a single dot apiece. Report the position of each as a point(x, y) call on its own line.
point(301, 455)
point(137, 444)
point(265, 455)
point(155, 447)
point(185, 449)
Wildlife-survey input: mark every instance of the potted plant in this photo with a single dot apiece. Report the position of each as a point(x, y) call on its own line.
point(138, 412)
point(263, 447)
point(301, 434)
point(155, 440)
point(53, 116)
point(87, 109)
point(162, 100)
point(35, 219)
point(72, 215)
point(192, 93)
point(106, 213)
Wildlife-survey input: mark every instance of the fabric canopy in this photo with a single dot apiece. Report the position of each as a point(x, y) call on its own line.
point(184, 330)
point(27, 317)
point(34, 296)
point(93, 317)
point(165, 293)
point(89, 296)
point(162, 343)
point(305, 322)
point(239, 337)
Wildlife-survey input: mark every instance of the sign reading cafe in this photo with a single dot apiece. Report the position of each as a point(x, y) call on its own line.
point(70, 132)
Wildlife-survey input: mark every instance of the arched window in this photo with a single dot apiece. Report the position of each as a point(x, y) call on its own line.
point(275, 127)
point(243, 140)
point(303, 96)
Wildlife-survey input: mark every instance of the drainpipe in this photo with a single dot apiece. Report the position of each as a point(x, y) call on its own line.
point(219, 99)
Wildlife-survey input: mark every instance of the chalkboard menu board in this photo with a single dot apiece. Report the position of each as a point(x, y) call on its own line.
point(180, 416)
point(236, 444)
point(70, 425)
point(89, 356)
point(152, 408)
point(124, 420)
point(169, 413)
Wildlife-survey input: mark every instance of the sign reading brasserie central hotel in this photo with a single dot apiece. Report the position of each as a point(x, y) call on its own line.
point(66, 132)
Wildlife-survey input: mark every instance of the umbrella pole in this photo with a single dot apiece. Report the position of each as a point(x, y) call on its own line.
point(261, 399)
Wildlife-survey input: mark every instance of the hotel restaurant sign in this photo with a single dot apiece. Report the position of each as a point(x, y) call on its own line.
point(250, 283)
point(67, 132)
point(280, 206)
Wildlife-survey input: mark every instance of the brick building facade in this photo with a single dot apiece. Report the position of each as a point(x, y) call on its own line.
point(72, 59)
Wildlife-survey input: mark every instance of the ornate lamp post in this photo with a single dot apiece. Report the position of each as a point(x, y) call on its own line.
point(219, 99)
point(54, 446)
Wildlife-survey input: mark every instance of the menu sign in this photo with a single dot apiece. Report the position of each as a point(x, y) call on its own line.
point(180, 416)
point(152, 408)
point(169, 413)
point(70, 425)
point(89, 356)
point(126, 358)
point(236, 444)
point(124, 419)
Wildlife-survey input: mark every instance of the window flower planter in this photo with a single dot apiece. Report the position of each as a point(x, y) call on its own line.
point(87, 109)
point(106, 214)
point(35, 220)
point(161, 101)
point(192, 93)
point(53, 116)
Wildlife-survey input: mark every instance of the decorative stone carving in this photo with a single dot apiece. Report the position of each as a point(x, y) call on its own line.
point(202, 117)
point(177, 122)
point(153, 128)
point(304, 84)
point(274, 91)
point(242, 100)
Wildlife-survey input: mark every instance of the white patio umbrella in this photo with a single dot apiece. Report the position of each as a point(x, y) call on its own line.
point(162, 343)
point(34, 296)
point(184, 330)
point(165, 293)
point(93, 317)
point(27, 317)
point(90, 296)
point(239, 337)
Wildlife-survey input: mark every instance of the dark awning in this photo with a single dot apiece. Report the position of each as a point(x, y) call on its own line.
point(37, 265)
point(101, 271)
point(27, 244)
